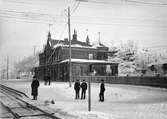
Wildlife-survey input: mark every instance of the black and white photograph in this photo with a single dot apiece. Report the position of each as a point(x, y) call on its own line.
point(83, 59)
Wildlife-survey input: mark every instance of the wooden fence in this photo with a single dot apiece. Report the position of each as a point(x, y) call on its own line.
point(131, 80)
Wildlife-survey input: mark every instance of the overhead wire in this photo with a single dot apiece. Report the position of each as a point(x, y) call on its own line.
point(20, 2)
point(29, 16)
point(113, 2)
point(62, 33)
point(9, 19)
point(147, 3)
point(158, 46)
point(75, 8)
point(128, 2)
point(25, 2)
point(26, 14)
point(36, 17)
point(54, 16)
point(20, 19)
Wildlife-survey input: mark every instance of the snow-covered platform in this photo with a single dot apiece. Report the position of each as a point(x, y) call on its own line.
point(121, 101)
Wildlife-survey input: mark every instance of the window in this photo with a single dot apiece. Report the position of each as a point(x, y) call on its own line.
point(90, 56)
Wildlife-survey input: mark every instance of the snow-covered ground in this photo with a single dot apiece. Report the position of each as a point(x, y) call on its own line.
point(121, 101)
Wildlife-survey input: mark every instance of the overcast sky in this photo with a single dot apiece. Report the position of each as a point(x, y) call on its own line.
point(24, 24)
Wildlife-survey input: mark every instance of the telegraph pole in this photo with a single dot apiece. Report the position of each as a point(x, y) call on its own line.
point(69, 32)
point(7, 68)
point(34, 49)
point(89, 94)
point(99, 38)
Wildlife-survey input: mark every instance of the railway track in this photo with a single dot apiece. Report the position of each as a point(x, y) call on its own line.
point(17, 105)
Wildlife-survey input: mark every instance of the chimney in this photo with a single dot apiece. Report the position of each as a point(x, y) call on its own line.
point(66, 39)
point(75, 35)
point(87, 40)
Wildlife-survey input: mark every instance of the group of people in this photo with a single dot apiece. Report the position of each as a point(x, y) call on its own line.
point(35, 84)
point(77, 87)
point(83, 86)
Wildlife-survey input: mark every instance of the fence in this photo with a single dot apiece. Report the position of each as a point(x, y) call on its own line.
point(132, 80)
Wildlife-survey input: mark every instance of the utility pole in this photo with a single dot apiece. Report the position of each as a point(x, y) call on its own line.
point(7, 68)
point(89, 94)
point(35, 49)
point(99, 38)
point(69, 32)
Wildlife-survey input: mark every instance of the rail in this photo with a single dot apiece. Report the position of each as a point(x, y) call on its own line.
point(20, 96)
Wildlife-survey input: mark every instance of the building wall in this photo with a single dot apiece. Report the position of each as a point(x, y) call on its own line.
point(83, 53)
point(49, 61)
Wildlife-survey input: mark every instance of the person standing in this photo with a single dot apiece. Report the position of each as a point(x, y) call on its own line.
point(84, 88)
point(102, 89)
point(48, 78)
point(45, 80)
point(77, 89)
point(34, 86)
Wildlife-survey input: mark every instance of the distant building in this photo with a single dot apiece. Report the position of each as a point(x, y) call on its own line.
point(158, 68)
point(54, 60)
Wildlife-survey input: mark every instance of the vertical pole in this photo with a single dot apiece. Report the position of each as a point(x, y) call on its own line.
point(99, 37)
point(89, 93)
point(1, 71)
point(7, 67)
point(69, 32)
point(34, 50)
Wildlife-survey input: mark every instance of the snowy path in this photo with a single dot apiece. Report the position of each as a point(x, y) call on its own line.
point(121, 101)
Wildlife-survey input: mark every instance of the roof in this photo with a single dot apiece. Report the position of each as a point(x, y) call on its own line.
point(64, 42)
point(74, 41)
point(74, 45)
point(89, 61)
point(160, 62)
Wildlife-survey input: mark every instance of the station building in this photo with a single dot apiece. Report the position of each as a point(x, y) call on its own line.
point(54, 60)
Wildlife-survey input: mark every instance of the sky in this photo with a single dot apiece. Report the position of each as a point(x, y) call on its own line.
point(24, 24)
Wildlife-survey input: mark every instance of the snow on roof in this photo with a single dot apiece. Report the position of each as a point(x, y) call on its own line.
point(142, 51)
point(79, 46)
point(116, 59)
point(58, 45)
point(73, 45)
point(111, 46)
point(87, 61)
point(96, 45)
point(160, 62)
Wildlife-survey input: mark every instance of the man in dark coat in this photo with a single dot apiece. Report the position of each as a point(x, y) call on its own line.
point(102, 89)
point(84, 88)
point(34, 87)
point(77, 88)
point(48, 78)
point(45, 80)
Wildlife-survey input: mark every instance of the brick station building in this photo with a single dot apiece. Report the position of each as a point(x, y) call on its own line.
point(54, 60)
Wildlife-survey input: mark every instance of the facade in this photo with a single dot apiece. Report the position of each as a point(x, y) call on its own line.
point(54, 60)
point(157, 68)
